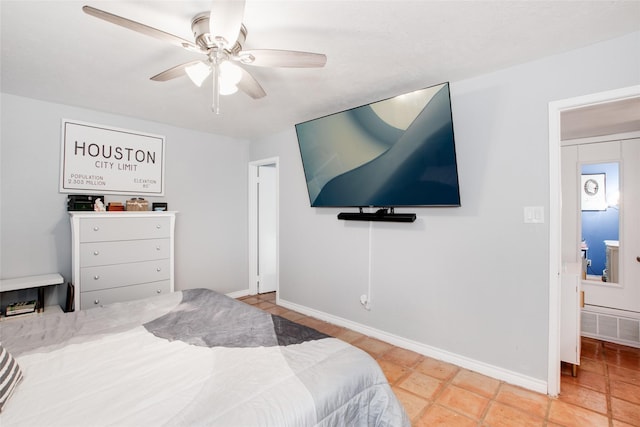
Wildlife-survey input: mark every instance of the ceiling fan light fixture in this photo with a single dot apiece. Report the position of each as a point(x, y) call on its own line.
point(220, 35)
point(198, 73)
point(230, 73)
point(227, 88)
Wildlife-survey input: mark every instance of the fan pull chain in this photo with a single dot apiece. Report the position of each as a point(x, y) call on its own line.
point(215, 107)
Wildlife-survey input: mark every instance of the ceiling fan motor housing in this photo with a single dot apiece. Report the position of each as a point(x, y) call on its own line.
point(204, 38)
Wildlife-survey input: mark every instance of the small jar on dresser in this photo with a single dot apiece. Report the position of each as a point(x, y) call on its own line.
point(121, 256)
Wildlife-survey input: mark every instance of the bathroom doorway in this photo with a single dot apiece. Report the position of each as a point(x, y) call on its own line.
point(263, 226)
point(600, 221)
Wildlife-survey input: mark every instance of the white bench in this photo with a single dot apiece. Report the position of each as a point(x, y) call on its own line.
point(28, 282)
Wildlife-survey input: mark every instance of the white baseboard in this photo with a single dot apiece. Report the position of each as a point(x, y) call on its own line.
point(496, 372)
point(238, 294)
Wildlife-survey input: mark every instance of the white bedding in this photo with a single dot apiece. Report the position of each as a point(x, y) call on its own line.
point(152, 363)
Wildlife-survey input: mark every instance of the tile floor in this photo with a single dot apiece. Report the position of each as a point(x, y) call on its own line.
point(606, 391)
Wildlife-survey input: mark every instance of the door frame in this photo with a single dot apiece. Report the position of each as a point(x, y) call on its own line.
point(253, 221)
point(555, 217)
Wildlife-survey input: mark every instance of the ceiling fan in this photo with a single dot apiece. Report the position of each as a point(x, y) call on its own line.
point(219, 35)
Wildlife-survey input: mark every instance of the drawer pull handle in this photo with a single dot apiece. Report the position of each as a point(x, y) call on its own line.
point(158, 226)
point(158, 248)
point(96, 228)
point(97, 301)
point(96, 253)
point(96, 277)
point(158, 269)
point(158, 291)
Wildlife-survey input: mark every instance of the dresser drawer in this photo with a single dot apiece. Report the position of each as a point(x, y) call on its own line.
point(105, 253)
point(112, 276)
point(124, 228)
point(107, 296)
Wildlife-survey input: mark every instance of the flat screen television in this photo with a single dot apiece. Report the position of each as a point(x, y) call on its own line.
point(391, 153)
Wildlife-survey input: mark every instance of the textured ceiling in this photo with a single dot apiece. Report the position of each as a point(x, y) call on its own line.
point(52, 51)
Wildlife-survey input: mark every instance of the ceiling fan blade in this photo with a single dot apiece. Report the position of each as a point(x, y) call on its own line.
point(172, 73)
point(141, 28)
point(281, 58)
point(250, 86)
point(225, 21)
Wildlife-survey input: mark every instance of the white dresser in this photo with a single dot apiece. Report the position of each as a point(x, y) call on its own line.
point(121, 256)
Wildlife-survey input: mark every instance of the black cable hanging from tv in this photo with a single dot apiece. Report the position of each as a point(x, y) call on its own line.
point(382, 214)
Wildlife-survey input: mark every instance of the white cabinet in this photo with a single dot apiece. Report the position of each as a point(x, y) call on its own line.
point(612, 260)
point(121, 256)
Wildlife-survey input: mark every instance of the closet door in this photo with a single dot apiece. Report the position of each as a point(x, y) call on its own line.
point(623, 294)
point(630, 232)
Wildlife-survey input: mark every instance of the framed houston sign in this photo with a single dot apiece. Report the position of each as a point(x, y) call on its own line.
point(106, 160)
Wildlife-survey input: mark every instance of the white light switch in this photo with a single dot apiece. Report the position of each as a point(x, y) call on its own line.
point(534, 214)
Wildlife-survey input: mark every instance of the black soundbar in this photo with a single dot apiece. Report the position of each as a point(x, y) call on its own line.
point(380, 215)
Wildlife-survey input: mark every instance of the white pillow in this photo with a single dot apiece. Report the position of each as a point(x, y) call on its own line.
point(10, 375)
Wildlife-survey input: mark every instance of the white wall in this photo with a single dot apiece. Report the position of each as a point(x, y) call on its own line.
point(471, 281)
point(206, 182)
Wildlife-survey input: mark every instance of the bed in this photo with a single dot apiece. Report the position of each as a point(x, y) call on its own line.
point(189, 358)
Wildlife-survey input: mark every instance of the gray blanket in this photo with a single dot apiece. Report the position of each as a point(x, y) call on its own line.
point(189, 358)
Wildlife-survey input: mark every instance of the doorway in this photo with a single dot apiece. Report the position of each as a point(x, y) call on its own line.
point(619, 123)
point(263, 226)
